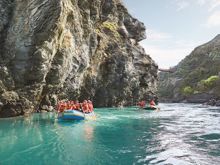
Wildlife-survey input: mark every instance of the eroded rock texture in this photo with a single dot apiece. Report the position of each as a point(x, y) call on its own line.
point(71, 49)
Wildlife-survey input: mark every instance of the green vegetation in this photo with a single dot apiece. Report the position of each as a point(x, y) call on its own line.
point(208, 83)
point(110, 26)
point(113, 27)
point(187, 90)
point(211, 81)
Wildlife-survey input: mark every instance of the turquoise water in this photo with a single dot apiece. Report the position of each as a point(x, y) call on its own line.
point(179, 134)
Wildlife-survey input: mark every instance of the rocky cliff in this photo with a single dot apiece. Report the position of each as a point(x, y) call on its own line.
point(71, 49)
point(196, 78)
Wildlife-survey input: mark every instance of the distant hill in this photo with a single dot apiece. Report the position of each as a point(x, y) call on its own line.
point(196, 78)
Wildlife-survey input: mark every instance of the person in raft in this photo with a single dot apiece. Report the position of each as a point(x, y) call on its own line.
point(152, 103)
point(142, 104)
point(78, 106)
point(91, 108)
point(61, 106)
point(85, 106)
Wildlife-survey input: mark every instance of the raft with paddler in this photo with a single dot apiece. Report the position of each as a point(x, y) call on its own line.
point(151, 106)
point(74, 110)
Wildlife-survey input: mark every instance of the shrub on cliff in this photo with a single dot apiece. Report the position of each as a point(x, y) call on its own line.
point(210, 82)
point(110, 26)
point(187, 91)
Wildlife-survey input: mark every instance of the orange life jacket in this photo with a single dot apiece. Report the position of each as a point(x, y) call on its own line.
point(152, 103)
point(90, 107)
point(77, 106)
point(85, 107)
point(62, 107)
point(73, 107)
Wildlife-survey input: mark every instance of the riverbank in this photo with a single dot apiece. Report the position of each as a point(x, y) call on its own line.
point(200, 98)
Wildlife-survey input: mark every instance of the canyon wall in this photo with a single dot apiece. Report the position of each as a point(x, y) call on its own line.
point(71, 49)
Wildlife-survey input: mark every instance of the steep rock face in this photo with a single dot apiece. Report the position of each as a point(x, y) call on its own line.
point(71, 49)
point(195, 72)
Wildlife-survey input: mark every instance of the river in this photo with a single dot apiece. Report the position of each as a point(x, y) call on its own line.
point(178, 134)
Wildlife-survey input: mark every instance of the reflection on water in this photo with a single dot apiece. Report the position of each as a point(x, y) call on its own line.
point(88, 132)
point(179, 134)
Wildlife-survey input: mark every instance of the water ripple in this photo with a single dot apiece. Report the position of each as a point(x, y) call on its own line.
point(179, 134)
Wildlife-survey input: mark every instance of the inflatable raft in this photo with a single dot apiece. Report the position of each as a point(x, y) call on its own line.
point(76, 115)
point(150, 108)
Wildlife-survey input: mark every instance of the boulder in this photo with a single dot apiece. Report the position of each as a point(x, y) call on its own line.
point(199, 98)
point(217, 103)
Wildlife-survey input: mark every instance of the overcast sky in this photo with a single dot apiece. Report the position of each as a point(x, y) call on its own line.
point(175, 27)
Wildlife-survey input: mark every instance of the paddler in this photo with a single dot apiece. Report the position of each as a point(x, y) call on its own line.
point(61, 106)
point(73, 105)
point(85, 106)
point(91, 108)
point(68, 106)
point(142, 104)
point(78, 106)
point(152, 103)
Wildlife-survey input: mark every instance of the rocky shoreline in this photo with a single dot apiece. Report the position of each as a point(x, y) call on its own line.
point(204, 98)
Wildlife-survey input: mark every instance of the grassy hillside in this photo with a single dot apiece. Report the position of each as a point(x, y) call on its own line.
point(197, 73)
